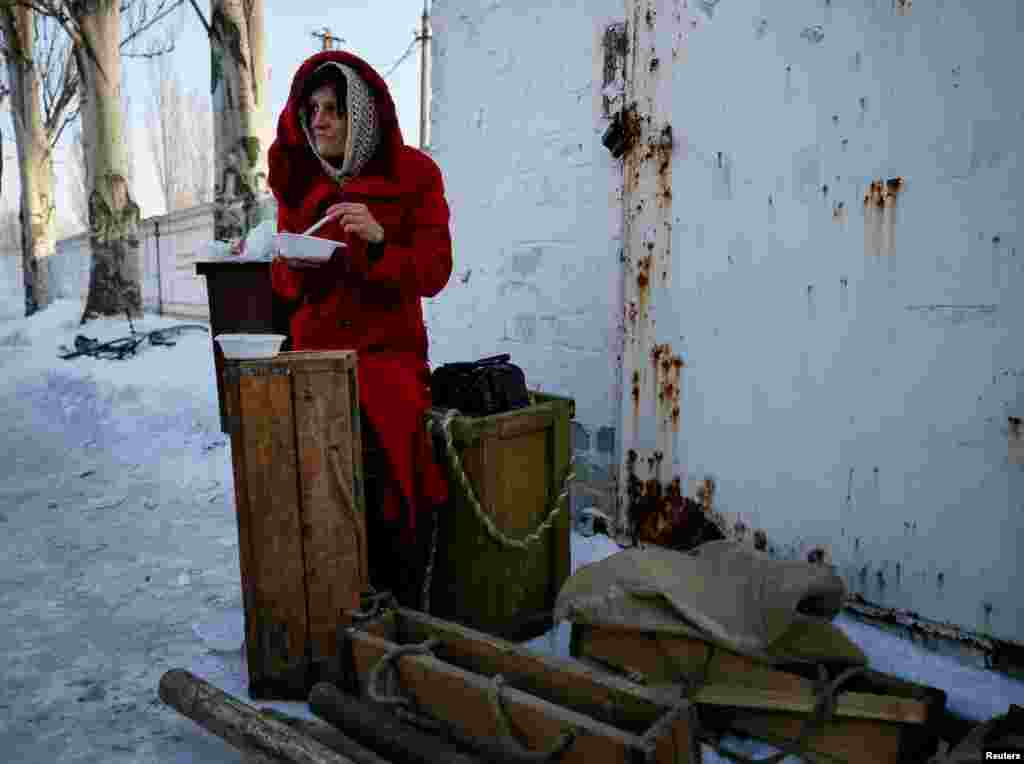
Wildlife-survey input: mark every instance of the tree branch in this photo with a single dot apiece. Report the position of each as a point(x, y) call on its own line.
point(143, 25)
point(210, 32)
point(155, 53)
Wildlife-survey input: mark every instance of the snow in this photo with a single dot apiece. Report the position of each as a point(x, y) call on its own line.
point(121, 554)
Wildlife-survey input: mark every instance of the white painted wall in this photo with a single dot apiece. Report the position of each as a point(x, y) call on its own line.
point(531, 195)
point(516, 130)
point(827, 389)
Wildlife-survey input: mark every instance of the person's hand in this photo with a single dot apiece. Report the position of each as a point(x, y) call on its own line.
point(357, 219)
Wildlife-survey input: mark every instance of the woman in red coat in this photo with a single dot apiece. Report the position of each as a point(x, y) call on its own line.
point(339, 152)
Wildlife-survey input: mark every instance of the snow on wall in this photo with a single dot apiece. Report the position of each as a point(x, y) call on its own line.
point(852, 351)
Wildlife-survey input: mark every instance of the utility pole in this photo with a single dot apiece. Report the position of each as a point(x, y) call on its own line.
point(424, 40)
point(327, 39)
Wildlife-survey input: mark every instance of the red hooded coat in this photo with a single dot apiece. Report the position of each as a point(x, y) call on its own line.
point(371, 307)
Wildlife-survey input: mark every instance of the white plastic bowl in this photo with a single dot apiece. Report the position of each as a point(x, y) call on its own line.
point(242, 347)
point(310, 248)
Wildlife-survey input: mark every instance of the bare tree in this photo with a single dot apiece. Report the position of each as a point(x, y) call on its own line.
point(42, 84)
point(238, 83)
point(77, 165)
point(95, 30)
point(179, 126)
point(45, 68)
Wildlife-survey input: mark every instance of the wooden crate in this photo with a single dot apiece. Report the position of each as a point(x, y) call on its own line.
point(297, 454)
point(878, 718)
point(240, 300)
point(516, 462)
point(615, 721)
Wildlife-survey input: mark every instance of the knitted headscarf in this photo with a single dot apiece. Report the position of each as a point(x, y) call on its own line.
point(301, 182)
point(363, 132)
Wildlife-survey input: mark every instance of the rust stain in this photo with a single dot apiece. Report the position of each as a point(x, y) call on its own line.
point(660, 514)
point(667, 374)
point(632, 313)
point(880, 217)
point(643, 278)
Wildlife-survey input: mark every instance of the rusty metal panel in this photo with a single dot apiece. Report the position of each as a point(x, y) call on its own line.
point(651, 372)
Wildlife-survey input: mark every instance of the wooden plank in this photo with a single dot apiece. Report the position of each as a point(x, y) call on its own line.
point(333, 526)
point(356, 452)
point(246, 541)
point(521, 477)
point(463, 698)
point(280, 614)
point(566, 682)
point(849, 740)
point(661, 659)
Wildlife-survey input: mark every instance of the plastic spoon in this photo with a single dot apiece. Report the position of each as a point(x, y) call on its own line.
point(316, 226)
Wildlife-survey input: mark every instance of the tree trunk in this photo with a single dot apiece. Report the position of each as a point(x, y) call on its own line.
point(115, 280)
point(260, 738)
point(241, 125)
point(381, 731)
point(35, 161)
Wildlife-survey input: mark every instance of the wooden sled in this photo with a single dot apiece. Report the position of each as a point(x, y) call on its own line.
point(877, 718)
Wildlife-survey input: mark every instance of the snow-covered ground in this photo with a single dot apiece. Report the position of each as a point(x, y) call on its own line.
point(120, 554)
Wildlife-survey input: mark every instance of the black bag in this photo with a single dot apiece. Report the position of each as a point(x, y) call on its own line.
point(480, 388)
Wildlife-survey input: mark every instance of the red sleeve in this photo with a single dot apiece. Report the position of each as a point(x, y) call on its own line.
point(423, 265)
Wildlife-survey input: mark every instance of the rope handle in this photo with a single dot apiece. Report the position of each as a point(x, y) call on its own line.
point(456, 468)
point(388, 696)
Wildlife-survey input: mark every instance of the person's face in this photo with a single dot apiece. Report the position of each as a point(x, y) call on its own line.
point(329, 126)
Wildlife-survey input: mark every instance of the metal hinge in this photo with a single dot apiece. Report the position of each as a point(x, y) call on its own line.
point(234, 373)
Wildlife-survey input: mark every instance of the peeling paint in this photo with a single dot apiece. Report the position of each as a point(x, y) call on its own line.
point(880, 217)
point(813, 34)
point(1016, 441)
point(660, 514)
point(708, 6)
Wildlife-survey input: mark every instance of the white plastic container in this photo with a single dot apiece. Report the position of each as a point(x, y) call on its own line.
point(245, 347)
point(295, 246)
